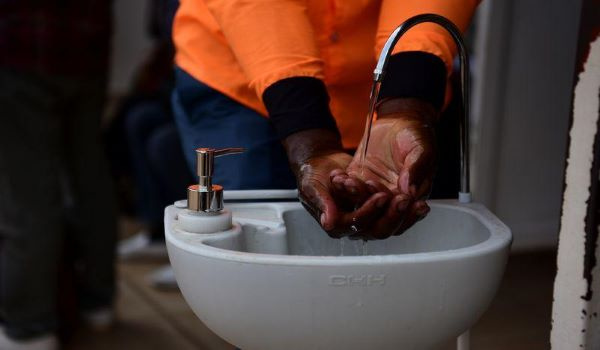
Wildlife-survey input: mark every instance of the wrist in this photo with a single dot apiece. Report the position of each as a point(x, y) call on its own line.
point(415, 74)
point(407, 108)
point(298, 103)
point(307, 144)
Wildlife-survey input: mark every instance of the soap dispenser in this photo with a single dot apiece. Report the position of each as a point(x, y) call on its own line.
point(205, 212)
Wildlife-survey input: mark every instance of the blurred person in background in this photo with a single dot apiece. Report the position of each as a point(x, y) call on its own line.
point(55, 189)
point(160, 175)
point(145, 128)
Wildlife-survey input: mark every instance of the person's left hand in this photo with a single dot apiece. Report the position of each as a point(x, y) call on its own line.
point(400, 161)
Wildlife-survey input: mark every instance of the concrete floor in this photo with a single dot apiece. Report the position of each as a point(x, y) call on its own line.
point(519, 317)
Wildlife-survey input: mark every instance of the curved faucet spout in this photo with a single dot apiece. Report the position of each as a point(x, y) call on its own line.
point(379, 74)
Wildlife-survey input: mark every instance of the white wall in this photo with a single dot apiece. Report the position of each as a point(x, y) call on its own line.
point(521, 108)
point(130, 43)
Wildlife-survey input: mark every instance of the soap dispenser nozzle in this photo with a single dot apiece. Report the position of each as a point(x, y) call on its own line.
point(206, 197)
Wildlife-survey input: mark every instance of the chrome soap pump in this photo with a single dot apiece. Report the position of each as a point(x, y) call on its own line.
point(205, 211)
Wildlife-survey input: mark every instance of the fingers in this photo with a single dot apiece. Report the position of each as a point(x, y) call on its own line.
point(380, 217)
point(424, 190)
point(348, 191)
point(392, 218)
point(364, 216)
point(322, 201)
point(316, 198)
point(336, 172)
point(401, 214)
point(362, 219)
point(417, 211)
point(375, 186)
point(418, 165)
point(382, 212)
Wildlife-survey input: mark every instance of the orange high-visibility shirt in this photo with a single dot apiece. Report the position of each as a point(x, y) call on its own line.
point(241, 47)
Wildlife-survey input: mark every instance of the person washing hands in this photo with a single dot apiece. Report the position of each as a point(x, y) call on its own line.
point(387, 195)
point(289, 80)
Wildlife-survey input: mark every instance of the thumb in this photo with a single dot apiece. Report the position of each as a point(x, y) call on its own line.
point(418, 166)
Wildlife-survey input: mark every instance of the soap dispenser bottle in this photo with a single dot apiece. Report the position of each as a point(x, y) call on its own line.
point(205, 212)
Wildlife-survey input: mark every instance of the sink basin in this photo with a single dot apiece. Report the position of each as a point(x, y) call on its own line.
point(277, 281)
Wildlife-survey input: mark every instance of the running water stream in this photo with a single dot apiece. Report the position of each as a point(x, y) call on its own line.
point(358, 247)
point(369, 122)
point(363, 152)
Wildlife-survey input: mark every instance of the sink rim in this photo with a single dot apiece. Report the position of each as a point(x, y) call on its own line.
point(500, 238)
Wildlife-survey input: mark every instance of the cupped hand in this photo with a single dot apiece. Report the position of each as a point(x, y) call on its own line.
point(314, 155)
point(400, 163)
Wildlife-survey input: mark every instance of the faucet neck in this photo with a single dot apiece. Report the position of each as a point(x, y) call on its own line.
point(379, 75)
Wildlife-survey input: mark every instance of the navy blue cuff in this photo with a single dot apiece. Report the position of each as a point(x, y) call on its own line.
point(415, 74)
point(297, 104)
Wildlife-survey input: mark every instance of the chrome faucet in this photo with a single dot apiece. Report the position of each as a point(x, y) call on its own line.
point(464, 195)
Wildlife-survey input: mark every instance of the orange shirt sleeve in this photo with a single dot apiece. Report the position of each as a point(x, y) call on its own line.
point(271, 39)
point(426, 37)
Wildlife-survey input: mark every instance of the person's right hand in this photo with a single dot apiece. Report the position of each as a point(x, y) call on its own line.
point(400, 161)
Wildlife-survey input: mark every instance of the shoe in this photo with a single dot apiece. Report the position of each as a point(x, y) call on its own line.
point(141, 247)
point(44, 342)
point(99, 320)
point(164, 278)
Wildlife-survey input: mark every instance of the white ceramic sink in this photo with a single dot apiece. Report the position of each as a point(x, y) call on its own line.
point(277, 281)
